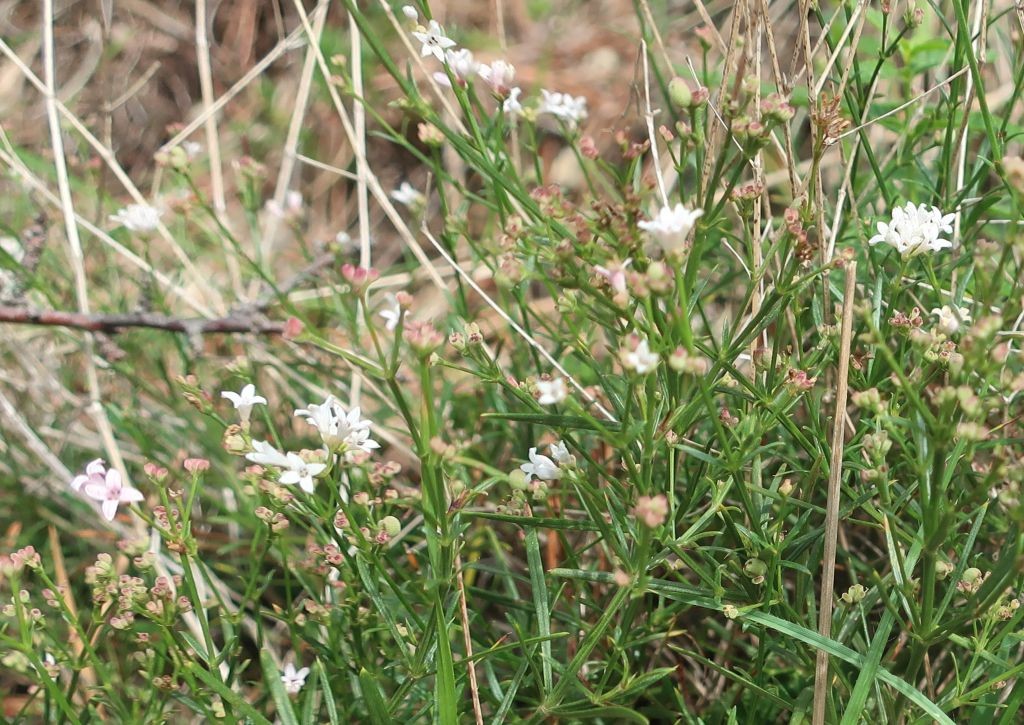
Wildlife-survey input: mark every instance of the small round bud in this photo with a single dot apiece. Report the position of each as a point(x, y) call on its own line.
point(518, 480)
point(679, 93)
point(391, 525)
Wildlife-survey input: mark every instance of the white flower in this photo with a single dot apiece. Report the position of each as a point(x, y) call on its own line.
point(640, 358)
point(138, 217)
point(461, 63)
point(408, 195)
point(325, 417)
point(498, 75)
point(410, 12)
point(511, 105)
point(292, 206)
point(359, 440)
point(95, 472)
point(551, 391)
point(541, 466)
point(192, 148)
point(265, 454)
point(570, 109)
point(561, 454)
point(294, 679)
point(950, 318)
point(244, 401)
point(339, 430)
point(110, 491)
point(672, 225)
point(915, 229)
point(391, 313)
point(298, 471)
point(435, 42)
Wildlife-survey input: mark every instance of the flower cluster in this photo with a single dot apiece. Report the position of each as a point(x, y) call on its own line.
point(497, 76)
point(913, 230)
point(551, 392)
point(137, 217)
point(341, 431)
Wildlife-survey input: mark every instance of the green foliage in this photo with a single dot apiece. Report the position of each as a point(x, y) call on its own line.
point(645, 546)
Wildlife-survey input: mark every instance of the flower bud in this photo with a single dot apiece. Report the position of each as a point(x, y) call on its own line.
point(755, 568)
point(679, 93)
point(855, 594)
point(391, 526)
point(518, 480)
point(651, 510)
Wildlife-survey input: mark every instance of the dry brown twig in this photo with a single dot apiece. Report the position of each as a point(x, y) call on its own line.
point(828, 565)
point(114, 323)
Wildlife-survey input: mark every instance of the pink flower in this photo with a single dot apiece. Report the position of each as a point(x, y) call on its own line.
point(111, 491)
point(615, 274)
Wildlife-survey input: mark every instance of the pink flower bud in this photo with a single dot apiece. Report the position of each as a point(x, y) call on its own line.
point(196, 465)
point(292, 328)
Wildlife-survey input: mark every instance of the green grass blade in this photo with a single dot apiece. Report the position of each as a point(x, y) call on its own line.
point(270, 676)
point(444, 683)
point(373, 698)
point(540, 602)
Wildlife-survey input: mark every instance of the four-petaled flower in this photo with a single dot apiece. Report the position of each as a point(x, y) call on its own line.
point(107, 487)
point(244, 401)
point(950, 318)
point(461, 64)
point(511, 105)
point(498, 75)
point(551, 391)
point(301, 472)
point(138, 217)
point(391, 313)
point(913, 230)
point(560, 453)
point(639, 359)
point(541, 466)
point(435, 42)
point(672, 226)
point(408, 195)
point(293, 679)
point(571, 109)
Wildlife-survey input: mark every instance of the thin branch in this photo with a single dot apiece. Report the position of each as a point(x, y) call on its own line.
point(115, 323)
point(828, 564)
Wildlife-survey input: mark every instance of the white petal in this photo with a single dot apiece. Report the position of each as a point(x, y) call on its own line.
point(109, 509)
point(95, 490)
point(131, 495)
